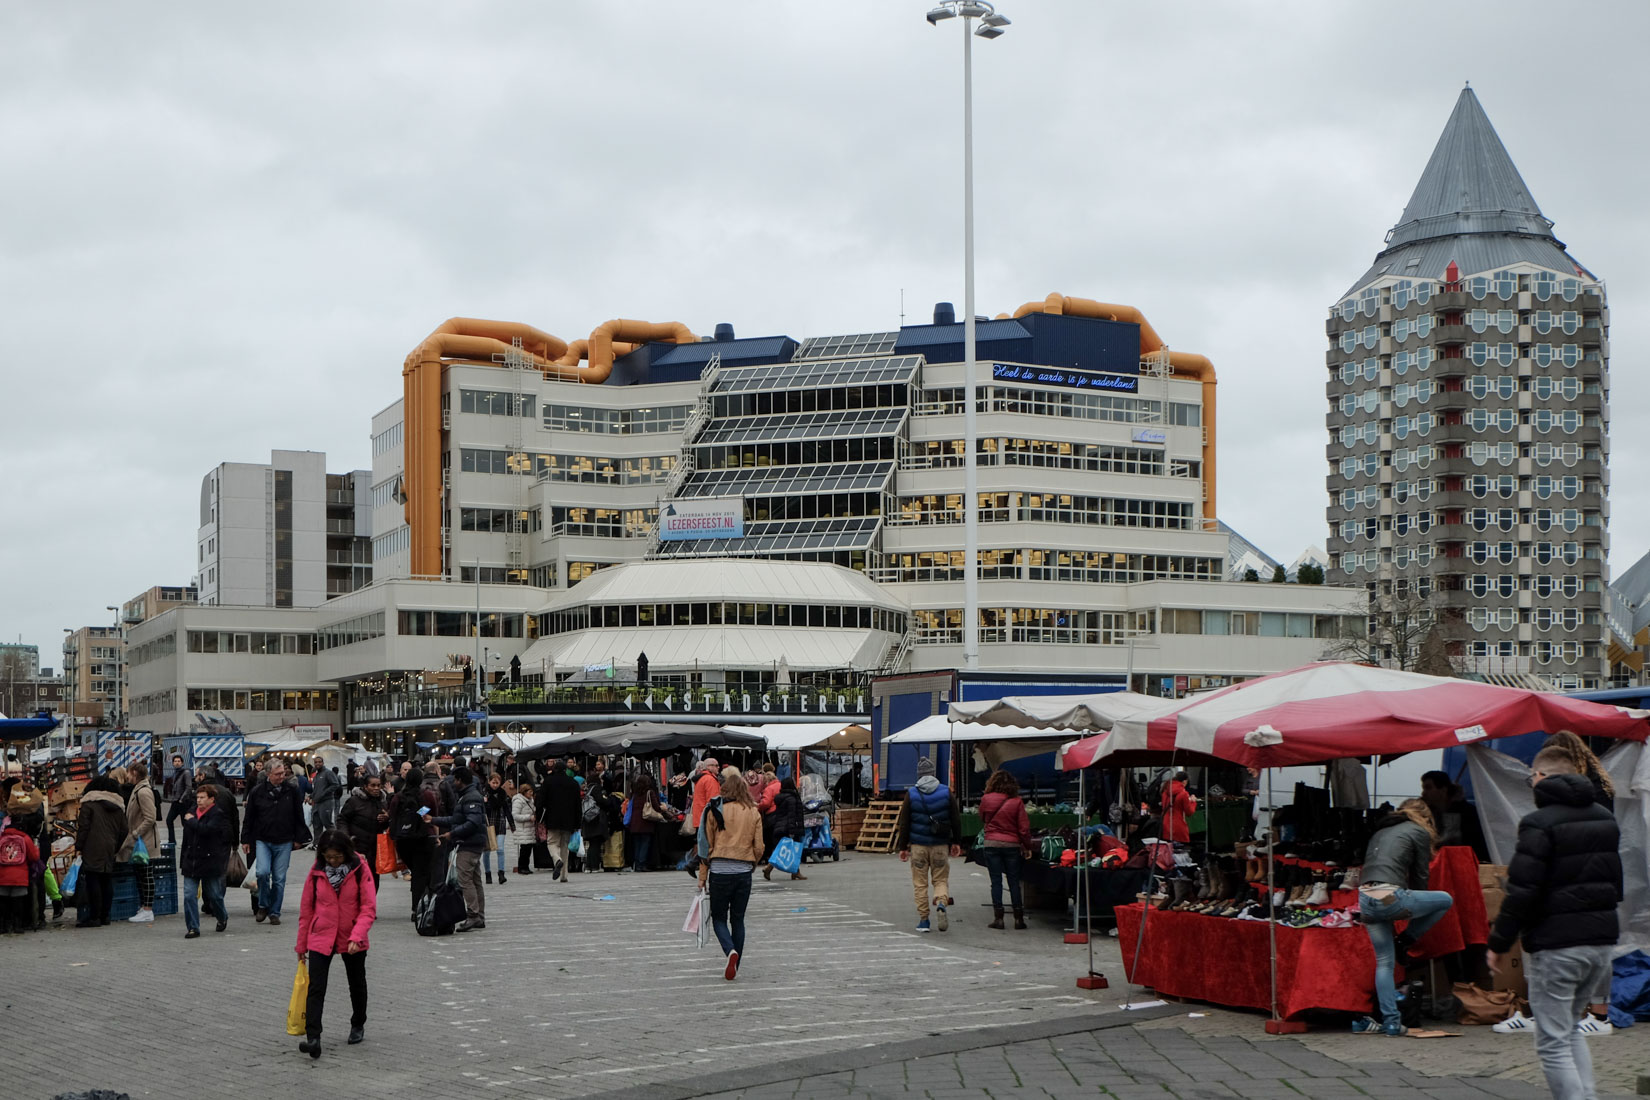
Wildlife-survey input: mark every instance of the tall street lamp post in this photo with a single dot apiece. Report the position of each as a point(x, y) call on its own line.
point(991, 26)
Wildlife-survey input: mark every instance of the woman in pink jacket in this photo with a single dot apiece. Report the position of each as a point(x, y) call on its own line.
point(1007, 829)
point(335, 913)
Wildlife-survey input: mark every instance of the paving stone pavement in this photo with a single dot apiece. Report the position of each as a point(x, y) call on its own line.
point(589, 987)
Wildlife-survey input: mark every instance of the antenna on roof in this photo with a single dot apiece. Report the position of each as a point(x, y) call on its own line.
point(901, 325)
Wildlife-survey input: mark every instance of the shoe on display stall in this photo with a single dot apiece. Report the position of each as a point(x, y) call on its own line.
point(1517, 1022)
point(1353, 877)
point(1319, 894)
point(1591, 1025)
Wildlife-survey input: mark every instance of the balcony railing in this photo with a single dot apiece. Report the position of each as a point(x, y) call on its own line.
point(612, 698)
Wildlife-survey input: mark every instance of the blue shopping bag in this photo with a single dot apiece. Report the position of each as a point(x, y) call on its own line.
point(71, 880)
point(787, 856)
point(140, 854)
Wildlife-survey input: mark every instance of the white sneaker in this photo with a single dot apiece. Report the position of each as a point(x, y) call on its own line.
point(142, 916)
point(1592, 1025)
point(1516, 1022)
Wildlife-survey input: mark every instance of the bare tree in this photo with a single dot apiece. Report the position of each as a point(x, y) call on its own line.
point(1405, 626)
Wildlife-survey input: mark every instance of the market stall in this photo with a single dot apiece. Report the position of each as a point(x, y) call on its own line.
point(824, 741)
point(1312, 715)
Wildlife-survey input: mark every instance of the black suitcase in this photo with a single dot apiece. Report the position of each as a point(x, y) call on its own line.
point(440, 910)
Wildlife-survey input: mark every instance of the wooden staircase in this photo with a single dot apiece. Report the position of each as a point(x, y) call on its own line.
point(877, 832)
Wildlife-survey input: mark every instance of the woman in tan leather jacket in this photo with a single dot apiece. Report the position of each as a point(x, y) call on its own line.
point(733, 829)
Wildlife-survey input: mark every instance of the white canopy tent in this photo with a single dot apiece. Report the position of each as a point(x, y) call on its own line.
point(993, 744)
point(794, 737)
point(1083, 713)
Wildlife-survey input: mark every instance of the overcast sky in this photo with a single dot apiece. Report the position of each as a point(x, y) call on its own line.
point(223, 226)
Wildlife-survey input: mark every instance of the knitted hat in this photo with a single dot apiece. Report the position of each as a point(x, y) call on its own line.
point(925, 766)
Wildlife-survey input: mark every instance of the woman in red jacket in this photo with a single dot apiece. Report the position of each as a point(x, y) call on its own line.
point(337, 909)
point(1177, 803)
point(1007, 842)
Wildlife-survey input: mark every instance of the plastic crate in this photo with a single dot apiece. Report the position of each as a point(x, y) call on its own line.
point(125, 893)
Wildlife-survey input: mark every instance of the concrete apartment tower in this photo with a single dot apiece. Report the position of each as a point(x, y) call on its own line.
point(285, 534)
point(1468, 427)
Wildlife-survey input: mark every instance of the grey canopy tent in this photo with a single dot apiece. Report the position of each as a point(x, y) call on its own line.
point(645, 739)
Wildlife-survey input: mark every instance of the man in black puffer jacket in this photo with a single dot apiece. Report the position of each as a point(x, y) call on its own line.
point(1563, 887)
point(466, 827)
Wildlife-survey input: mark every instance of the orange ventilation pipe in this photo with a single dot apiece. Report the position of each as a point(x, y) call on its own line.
point(1182, 364)
point(469, 340)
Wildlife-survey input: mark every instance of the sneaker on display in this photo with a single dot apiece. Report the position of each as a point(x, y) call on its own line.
point(1516, 1022)
point(1592, 1025)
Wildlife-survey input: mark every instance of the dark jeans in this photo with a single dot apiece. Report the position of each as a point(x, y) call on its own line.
point(729, 895)
point(178, 810)
point(642, 846)
point(418, 853)
point(1003, 863)
point(355, 969)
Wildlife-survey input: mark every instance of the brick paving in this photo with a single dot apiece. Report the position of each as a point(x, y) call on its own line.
point(592, 988)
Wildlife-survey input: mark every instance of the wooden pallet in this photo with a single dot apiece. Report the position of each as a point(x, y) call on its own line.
point(877, 832)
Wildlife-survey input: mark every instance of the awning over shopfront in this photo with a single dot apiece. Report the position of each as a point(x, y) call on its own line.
point(832, 736)
point(994, 743)
point(1066, 712)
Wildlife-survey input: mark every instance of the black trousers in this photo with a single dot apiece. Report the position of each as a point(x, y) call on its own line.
point(355, 970)
point(418, 853)
point(178, 810)
point(96, 894)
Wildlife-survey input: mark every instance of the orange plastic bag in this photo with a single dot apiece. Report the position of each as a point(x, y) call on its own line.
point(389, 860)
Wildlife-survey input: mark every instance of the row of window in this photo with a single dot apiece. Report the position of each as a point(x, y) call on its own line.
point(1542, 618)
point(1033, 626)
point(259, 642)
point(1507, 585)
point(811, 452)
point(822, 399)
point(387, 440)
point(385, 493)
point(602, 470)
point(538, 576)
point(1543, 652)
point(253, 699)
point(1543, 285)
point(362, 628)
point(1072, 404)
point(163, 646)
point(826, 616)
point(1479, 519)
point(584, 418)
point(500, 520)
point(262, 699)
point(1072, 566)
point(497, 403)
point(1105, 458)
point(616, 523)
point(458, 624)
point(390, 543)
point(1041, 507)
point(1479, 453)
point(1264, 624)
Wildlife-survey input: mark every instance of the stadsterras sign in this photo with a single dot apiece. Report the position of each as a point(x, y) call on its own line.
point(702, 518)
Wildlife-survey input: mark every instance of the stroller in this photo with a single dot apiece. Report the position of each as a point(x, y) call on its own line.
point(818, 815)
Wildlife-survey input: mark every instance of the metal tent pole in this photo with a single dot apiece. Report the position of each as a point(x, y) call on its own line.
point(1276, 1025)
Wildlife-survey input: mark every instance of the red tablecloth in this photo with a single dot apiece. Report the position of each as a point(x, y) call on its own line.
point(1225, 961)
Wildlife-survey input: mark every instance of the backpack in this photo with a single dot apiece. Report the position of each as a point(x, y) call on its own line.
point(443, 906)
point(592, 810)
point(14, 849)
point(408, 824)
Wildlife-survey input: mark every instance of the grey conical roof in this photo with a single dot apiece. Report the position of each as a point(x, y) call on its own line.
point(1470, 206)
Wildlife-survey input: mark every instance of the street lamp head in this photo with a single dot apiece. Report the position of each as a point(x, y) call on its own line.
point(988, 32)
point(974, 9)
point(937, 14)
point(995, 20)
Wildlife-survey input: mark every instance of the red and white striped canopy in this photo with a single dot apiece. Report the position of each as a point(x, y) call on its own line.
point(1336, 709)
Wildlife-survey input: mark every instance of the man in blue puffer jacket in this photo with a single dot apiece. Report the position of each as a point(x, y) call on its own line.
point(930, 828)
